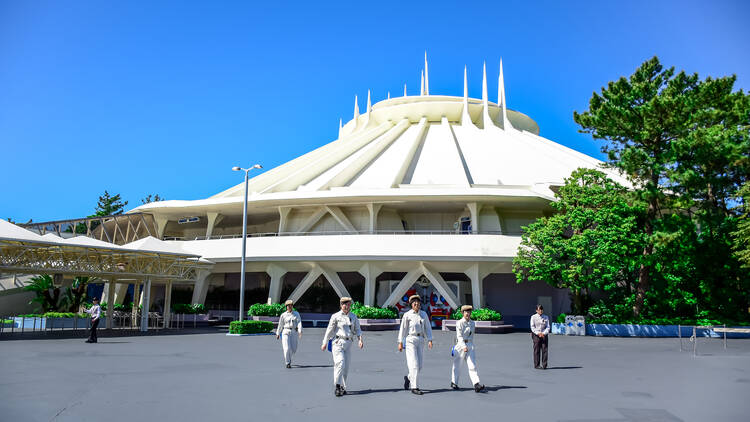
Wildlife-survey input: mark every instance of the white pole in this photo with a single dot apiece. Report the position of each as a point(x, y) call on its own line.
point(244, 241)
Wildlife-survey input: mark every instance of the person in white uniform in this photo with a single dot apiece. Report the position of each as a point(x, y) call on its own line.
point(540, 335)
point(95, 312)
point(464, 350)
point(289, 329)
point(342, 328)
point(415, 329)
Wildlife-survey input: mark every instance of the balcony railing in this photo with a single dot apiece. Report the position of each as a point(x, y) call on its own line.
point(342, 233)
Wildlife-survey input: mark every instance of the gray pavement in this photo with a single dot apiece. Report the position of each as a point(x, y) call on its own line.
point(212, 377)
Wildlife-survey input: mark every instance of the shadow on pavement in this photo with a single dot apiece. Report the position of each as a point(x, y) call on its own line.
point(312, 366)
point(378, 390)
point(565, 367)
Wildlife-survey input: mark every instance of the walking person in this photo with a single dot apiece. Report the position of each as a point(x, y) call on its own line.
point(95, 311)
point(342, 328)
point(415, 328)
point(464, 350)
point(539, 334)
point(290, 329)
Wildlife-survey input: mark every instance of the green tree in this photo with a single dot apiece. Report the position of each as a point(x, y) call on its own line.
point(155, 198)
point(742, 234)
point(591, 243)
point(682, 143)
point(75, 295)
point(109, 205)
point(47, 295)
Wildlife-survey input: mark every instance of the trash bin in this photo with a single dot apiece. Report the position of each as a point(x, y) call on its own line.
point(575, 325)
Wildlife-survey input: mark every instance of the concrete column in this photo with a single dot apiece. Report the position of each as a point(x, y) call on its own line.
point(477, 286)
point(121, 289)
point(276, 273)
point(110, 303)
point(283, 218)
point(214, 218)
point(161, 224)
point(167, 303)
point(374, 210)
point(474, 209)
point(335, 281)
point(403, 286)
point(136, 301)
point(370, 272)
point(146, 302)
point(306, 282)
point(201, 287)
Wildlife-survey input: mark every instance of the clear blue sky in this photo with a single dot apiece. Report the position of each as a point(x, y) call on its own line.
point(143, 97)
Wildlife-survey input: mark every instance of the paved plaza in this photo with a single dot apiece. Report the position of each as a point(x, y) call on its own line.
point(209, 376)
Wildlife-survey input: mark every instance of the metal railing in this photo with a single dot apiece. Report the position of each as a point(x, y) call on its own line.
point(39, 324)
point(342, 233)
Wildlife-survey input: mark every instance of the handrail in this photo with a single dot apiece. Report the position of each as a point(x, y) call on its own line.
point(341, 233)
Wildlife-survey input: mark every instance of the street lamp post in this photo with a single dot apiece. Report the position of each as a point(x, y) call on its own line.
point(244, 237)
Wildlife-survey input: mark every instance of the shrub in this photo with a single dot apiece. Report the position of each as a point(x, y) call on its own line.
point(481, 314)
point(372, 312)
point(8, 321)
point(64, 315)
point(186, 308)
point(561, 318)
point(250, 327)
point(263, 309)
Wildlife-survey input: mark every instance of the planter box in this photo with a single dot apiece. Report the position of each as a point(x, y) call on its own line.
point(273, 319)
point(635, 330)
point(482, 327)
point(55, 323)
point(379, 324)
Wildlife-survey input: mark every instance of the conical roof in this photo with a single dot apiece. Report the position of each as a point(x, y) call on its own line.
point(427, 141)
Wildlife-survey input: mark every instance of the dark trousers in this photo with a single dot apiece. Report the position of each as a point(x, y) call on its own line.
point(540, 348)
point(92, 331)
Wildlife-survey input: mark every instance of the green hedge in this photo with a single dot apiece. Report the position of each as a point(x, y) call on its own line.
point(264, 309)
point(186, 308)
point(371, 312)
point(481, 314)
point(250, 327)
point(55, 315)
point(561, 319)
point(7, 321)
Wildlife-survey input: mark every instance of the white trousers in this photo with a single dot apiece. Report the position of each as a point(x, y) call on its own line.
point(471, 362)
point(289, 344)
point(342, 353)
point(414, 354)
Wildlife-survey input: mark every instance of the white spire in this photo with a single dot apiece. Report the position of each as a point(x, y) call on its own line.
point(426, 77)
point(356, 112)
point(485, 105)
point(404, 90)
point(465, 117)
point(421, 84)
point(501, 98)
point(341, 126)
point(389, 95)
point(369, 104)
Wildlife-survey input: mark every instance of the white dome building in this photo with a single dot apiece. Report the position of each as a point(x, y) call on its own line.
point(423, 192)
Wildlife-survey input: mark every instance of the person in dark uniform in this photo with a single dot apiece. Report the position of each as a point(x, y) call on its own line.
point(539, 331)
point(95, 311)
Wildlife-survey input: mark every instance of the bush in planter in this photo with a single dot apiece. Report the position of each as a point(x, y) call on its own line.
point(250, 327)
point(63, 315)
point(560, 319)
point(264, 309)
point(372, 312)
point(8, 321)
point(186, 308)
point(481, 314)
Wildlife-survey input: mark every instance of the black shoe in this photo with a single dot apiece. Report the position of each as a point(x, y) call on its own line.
point(338, 392)
point(478, 387)
point(454, 386)
point(343, 391)
point(89, 341)
point(288, 365)
point(537, 367)
point(406, 382)
point(416, 391)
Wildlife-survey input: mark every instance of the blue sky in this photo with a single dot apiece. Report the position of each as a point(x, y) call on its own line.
point(144, 97)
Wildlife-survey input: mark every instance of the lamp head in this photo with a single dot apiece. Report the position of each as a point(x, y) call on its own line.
point(235, 168)
point(257, 166)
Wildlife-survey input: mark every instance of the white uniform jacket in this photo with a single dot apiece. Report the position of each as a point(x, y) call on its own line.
point(415, 324)
point(289, 321)
point(342, 326)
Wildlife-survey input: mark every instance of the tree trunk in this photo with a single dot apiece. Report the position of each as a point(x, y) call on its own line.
point(644, 272)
